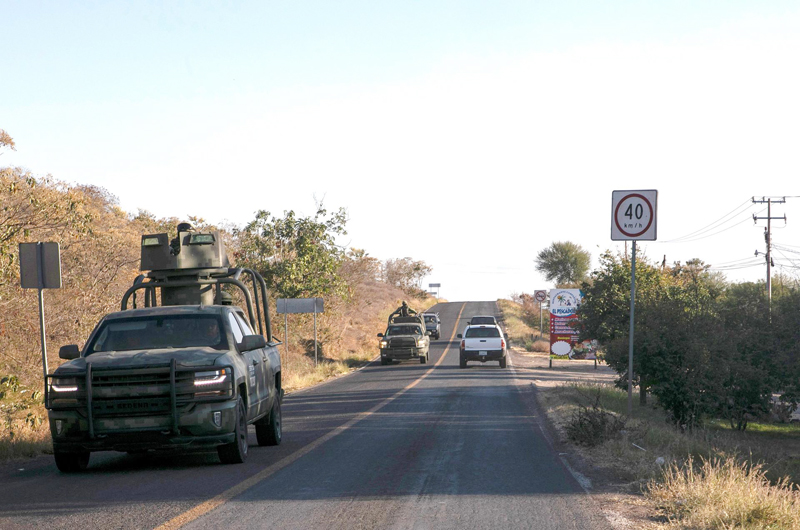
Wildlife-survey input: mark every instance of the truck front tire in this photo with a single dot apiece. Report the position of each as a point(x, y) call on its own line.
point(270, 431)
point(236, 451)
point(71, 462)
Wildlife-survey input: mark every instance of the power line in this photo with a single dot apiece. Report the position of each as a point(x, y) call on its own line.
point(757, 263)
point(715, 233)
point(712, 225)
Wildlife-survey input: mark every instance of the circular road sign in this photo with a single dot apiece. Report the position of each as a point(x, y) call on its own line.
point(540, 296)
point(634, 215)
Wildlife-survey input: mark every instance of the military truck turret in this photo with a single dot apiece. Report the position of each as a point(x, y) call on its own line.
point(187, 370)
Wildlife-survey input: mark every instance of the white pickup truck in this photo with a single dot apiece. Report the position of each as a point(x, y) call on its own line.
point(482, 343)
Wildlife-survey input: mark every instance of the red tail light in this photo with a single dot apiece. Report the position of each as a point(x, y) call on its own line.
point(502, 344)
point(462, 345)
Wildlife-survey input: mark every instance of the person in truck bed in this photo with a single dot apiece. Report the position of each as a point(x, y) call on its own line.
point(403, 311)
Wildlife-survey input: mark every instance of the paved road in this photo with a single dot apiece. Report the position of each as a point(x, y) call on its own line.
point(401, 446)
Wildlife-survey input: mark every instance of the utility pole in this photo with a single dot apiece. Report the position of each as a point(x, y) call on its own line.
point(768, 238)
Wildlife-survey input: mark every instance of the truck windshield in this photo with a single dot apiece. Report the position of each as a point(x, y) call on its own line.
point(482, 333)
point(150, 333)
point(403, 330)
point(430, 320)
point(482, 320)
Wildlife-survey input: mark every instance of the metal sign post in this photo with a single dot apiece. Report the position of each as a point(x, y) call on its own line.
point(315, 335)
point(633, 217)
point(437, 286)
point(286, 330)
point(541, 296)
point(301, 305)
point(40, 268)
point(630, 338)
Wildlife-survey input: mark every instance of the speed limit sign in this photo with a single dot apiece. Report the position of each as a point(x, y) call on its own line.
point(633, 215)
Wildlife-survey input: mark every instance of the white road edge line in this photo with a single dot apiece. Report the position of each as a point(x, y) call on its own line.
point(582, 480)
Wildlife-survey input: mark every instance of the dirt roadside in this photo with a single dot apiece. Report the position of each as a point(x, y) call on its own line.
point(623, 508)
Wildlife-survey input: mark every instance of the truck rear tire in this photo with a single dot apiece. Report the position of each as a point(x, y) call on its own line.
point(423, 359)
point(271, 430)
point(71, 462)
point(503, 362)
point(462, 362)
point(236, 451)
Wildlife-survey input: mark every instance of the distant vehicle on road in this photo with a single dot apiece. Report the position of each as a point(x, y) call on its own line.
point(433, 324)
point(482, 343)
point(405, 338)
point(482, 319)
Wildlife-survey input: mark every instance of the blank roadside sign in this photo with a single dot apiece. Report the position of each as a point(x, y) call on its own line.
point(300, 305)
point(40, 265)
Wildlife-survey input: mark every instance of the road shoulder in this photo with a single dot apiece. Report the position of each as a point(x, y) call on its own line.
point(621, 503)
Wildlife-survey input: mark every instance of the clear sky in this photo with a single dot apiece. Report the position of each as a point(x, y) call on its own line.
point(466, 134)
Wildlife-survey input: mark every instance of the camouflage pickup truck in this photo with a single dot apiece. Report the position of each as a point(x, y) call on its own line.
point(405, 338)
point(190, 373)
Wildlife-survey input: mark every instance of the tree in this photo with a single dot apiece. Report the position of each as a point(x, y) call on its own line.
point(297, 256)
point(41, 206)
point(6, 141)
point(565, 262)
point(700, 345)
point(604, 313)
point(405, 273)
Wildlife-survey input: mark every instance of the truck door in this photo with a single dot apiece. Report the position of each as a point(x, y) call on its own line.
point(253, 363)
point(263, 372)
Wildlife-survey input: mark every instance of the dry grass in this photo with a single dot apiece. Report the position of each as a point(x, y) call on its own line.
point(724, 494)
point(23, 421)
point(519, 333)
point(725, 490)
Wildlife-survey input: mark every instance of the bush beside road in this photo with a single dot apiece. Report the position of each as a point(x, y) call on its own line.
point(646, 473)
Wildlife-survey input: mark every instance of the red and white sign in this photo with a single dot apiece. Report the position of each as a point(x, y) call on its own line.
point(633, 215)
point(540, 296)
point(564, 343)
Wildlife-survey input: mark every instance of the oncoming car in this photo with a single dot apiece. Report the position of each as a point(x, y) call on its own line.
point(405, 339)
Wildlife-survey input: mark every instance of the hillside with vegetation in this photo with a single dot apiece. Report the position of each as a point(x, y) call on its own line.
point(298, 256)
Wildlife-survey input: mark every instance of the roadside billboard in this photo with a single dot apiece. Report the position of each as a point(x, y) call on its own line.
point(564, 343)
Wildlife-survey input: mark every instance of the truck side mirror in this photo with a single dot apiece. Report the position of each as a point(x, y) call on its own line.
point(380, 334)
point(252, 342)
point(70, 351)
point(459, 335)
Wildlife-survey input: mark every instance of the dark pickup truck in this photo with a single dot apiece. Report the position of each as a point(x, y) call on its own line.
point(405, 339)
point(174, 377)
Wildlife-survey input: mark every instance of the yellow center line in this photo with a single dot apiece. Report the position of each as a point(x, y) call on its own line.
point(217, 501)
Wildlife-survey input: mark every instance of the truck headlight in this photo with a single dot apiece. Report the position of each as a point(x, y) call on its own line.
point(64, 384)
point(384, 344)
point(212, 383)
point(212, 377)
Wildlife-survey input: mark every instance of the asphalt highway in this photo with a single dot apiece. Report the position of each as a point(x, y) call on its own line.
point(402, 446)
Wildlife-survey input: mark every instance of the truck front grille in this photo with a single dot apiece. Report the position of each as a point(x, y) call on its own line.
point(402, 342)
